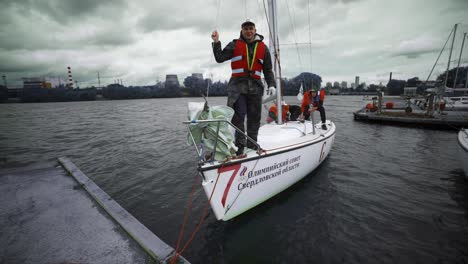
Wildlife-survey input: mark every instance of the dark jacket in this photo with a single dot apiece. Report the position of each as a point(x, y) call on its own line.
point(245, 84)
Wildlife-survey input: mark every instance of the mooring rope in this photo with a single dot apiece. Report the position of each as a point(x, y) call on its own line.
point(202, 219)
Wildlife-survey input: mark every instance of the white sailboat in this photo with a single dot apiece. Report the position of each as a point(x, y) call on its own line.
point(290, 151)
point(463, 149)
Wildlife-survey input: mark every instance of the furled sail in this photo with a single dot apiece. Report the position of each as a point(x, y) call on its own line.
point(204, 134)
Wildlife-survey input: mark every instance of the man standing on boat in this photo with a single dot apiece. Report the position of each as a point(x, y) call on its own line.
point(313, 100)
point(249, 57)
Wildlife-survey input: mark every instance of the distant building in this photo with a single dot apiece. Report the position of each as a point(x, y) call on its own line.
point(364, 85)
point(334, 91)
point(4, 81)
point(36, 82)
point(356, 81)
point(344, 85)
point(430, 84)
point(336, 85)
point(171, 79)
point(353, 85)
point(410, 91)
point(329, 85)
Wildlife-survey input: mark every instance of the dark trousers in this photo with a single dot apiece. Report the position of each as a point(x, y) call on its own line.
point(295, 111)
point(247, 105)
point(320, 109)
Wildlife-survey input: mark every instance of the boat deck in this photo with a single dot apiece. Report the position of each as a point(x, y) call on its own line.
point(47, 216)
point(290, 132)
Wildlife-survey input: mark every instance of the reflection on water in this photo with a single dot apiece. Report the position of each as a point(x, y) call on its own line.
point(385, 194)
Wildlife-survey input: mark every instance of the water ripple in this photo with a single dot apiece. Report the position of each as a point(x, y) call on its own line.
point(384, 195)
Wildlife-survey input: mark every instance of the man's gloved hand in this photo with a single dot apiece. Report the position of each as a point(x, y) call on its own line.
point(271, 91)
point(269, 95)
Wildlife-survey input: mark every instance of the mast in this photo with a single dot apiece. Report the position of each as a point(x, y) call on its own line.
point(459, 59)
point(275, 55)
point(450, 55)
point(441, 90)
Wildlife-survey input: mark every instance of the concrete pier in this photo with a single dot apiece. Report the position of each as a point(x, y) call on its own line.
point(46, 216)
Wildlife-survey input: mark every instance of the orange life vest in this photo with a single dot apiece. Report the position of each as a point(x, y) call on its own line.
point(240, 61)
point(275, 112)
point(307, 100)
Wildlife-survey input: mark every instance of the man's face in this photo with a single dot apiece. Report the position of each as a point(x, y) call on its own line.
point(248, 32)
point(314, 93)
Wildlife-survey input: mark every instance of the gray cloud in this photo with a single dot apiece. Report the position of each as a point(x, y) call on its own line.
point(154, 22)
point(142, 41)
point(413, 54)
point(457, 6)
point(61, 11)
point(200, 15)
point(59, 24)
point(11, 64)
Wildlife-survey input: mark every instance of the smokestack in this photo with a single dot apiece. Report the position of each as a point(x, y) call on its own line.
point(390, 76)
point(70, 79)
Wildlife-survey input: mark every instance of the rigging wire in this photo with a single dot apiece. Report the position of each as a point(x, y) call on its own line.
point(439, 56)
point(211, 57)
point(310, 35)
point(262, 15)
point(229, 206)
point(245, 8)
point(294, 32)
point(275, 47)
point(217, 13)
point(291, 19)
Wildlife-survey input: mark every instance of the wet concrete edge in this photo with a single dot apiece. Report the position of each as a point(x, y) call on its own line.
point(150, 243)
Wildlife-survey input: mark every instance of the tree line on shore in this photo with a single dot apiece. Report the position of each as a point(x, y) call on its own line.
point(195, 87)
point(396, 87)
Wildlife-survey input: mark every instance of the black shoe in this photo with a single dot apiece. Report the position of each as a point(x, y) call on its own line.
point(252, 146)
point(240, 150)
point(324, 127)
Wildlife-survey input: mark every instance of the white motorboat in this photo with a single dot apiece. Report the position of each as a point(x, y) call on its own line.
point(463, 149)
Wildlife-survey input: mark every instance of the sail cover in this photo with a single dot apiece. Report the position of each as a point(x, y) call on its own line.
point(204, 134)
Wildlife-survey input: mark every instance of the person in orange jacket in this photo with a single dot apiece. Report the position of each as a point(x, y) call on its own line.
point(273, 113)
point(313, 100)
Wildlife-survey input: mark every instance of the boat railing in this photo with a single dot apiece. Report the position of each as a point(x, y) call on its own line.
point(211, 158)
point(304, 131)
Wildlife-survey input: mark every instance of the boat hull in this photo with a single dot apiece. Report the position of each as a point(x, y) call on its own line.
point(243, 184)
point(463, 150)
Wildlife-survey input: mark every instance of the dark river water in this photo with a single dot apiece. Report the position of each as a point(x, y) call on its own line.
point(385, 194)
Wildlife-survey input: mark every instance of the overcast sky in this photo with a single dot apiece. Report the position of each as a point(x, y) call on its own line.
point(140, 41)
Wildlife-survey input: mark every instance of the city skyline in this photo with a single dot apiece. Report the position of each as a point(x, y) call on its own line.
point(366, 38)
